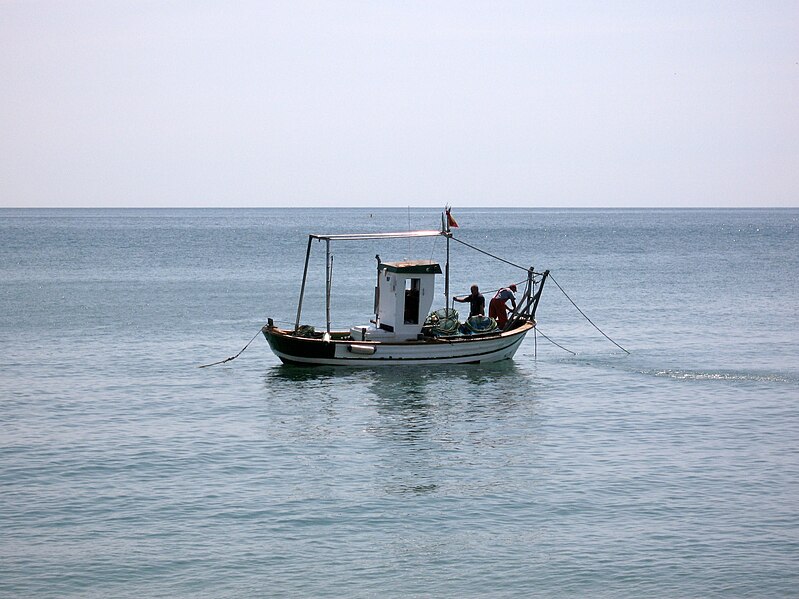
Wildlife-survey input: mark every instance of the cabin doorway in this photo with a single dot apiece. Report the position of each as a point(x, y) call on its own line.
point(412, 291)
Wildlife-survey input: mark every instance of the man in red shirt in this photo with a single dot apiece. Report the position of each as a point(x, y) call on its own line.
point(498, 308)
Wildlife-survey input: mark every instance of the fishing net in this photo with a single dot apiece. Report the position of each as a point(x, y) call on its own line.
point(305, 330)
point(481, 324)
point(443, 321)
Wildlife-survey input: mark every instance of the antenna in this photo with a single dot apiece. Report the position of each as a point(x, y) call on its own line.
point(409, 229)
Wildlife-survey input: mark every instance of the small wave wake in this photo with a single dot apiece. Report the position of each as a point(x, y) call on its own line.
point(701, 375)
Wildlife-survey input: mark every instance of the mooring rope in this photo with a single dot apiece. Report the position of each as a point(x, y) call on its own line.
point(233, 357)
point(585, 316)
point(553, 343)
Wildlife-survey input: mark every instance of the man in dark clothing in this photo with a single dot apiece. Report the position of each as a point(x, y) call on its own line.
point(477, 303)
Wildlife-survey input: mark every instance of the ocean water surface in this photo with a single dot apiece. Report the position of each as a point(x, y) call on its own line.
point(126, 471)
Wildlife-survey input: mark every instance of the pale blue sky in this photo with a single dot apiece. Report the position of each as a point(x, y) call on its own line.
point(296, 103)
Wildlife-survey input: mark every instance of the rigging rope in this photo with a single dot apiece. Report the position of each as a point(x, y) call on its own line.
point(232, 357)
point(489, 254)
point(491, 291)
point(585, 316)
point(553, 280)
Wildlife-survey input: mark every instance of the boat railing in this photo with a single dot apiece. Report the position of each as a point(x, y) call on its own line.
point(526, 308)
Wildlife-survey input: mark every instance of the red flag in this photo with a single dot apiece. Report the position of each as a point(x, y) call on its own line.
point(451, 222)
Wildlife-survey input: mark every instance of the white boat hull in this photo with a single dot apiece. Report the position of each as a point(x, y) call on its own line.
point(346, 352)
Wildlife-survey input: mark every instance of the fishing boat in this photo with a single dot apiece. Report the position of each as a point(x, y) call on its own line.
point(403, 330)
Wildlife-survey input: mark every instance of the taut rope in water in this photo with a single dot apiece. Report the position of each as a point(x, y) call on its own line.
point(586, 317)
point(233, 357)
point(538, 331)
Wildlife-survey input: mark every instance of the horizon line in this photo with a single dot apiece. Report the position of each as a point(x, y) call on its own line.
point(384, 208)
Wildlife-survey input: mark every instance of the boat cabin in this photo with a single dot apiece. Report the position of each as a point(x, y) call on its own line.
point(403, 298)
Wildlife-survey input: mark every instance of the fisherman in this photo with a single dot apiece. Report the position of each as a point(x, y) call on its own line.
point(477, 303)
point(498, 308)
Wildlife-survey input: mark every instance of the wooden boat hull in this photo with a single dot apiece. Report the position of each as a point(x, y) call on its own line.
point(338, 350)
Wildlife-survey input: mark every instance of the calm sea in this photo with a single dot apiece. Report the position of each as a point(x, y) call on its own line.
point(126, 471)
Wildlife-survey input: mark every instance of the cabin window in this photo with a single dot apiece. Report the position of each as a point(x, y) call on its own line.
point(412, 290)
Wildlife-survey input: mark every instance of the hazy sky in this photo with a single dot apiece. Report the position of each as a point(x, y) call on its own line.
point(399, 103)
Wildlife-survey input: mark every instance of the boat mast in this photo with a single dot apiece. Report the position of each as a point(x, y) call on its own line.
point(445, 228)
point(327, 284)
point(302, 288)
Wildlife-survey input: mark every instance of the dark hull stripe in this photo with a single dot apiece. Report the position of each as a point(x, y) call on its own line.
point(297, 346)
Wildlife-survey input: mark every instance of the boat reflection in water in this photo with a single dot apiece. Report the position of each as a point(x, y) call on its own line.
point(415, 430)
